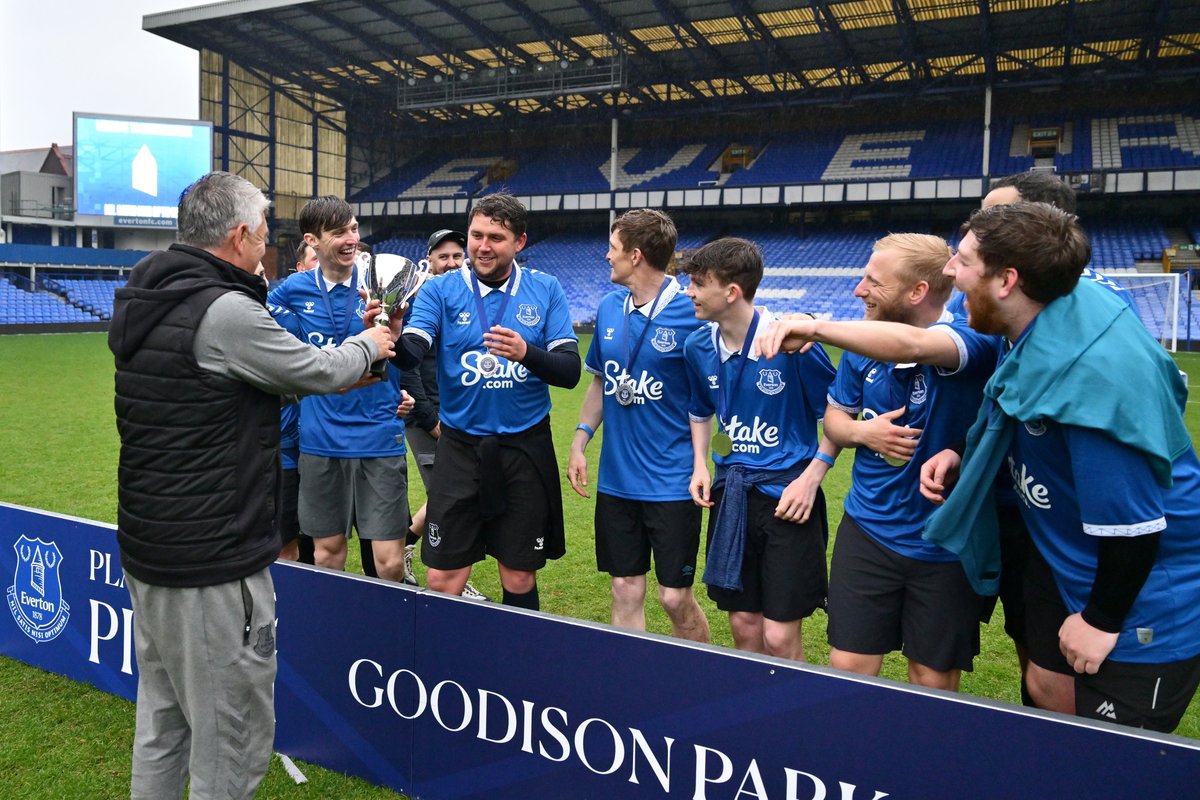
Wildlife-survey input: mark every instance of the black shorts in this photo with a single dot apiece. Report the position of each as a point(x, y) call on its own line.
point(289, 518)
point(458, 535)
point(628, 531)
point(1151, 696)
point(1014, 561)
point(783, 566)
point(1045, 613)
point(880, 601)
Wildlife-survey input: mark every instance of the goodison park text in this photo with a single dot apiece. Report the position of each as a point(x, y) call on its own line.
point(549, 733)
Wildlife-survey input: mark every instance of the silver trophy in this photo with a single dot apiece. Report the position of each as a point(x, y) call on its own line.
point(392, 280)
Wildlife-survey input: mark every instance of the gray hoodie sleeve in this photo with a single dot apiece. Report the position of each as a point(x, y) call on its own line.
point(238, 338)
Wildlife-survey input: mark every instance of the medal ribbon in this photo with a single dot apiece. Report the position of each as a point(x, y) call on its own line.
point(722, 396)
point(342, 331)
point(507, 292)
point(631, 358)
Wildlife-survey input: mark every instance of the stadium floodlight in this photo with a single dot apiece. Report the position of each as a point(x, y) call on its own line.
point(540, 81)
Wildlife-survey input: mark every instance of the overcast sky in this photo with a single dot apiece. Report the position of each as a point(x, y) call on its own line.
point(60, 56)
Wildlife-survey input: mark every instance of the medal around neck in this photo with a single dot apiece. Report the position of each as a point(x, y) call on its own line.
point(626, 392)
point(392, 280)
point(722, 445)
point(489, 365)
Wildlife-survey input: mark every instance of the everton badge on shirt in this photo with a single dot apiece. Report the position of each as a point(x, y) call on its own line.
point(770, 381)
point(664, 340)
point(489, 365)
point(528, 315)
point(626, 392)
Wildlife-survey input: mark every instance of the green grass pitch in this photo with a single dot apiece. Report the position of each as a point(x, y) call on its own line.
point(59, 452)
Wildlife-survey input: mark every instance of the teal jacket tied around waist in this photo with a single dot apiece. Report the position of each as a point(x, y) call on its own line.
point(1086, 360)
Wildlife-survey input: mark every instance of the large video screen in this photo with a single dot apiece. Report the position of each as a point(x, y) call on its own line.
point(131, 170)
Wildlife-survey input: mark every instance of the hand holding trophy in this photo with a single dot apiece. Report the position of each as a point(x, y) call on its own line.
point(393, 280)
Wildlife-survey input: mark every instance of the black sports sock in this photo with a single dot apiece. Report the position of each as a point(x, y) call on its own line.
point(306, 549)
point(1026, 697)
point(368, 558)
point(528, 600)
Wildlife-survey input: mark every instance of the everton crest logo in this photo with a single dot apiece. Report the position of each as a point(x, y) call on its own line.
point(770, 381)
point(434, 535)
point(920, 390)
point(664, 340)
point(528, 315)
point(35, 598)
point(361, 308)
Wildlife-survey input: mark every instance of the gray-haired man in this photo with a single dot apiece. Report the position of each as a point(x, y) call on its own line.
point(200, 365)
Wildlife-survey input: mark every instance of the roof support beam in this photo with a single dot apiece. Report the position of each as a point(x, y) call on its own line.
point(379, 47)
point(827, 20)
point(262, 70)
point(483, 33)
point(566, 46)
point(299, 54)
point(772, 49)
point(435, 45)
point(678, 23)
point(916, 61)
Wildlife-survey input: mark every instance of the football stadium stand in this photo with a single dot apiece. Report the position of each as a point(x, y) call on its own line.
point(1081, 144)
point(13, 254)
point(93, 294)
point(21, 304)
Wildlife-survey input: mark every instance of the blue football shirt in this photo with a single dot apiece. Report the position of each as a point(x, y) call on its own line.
point(774, 407)
point(361, 423)
point(885, 500)
point(1075, 485)
point(647, 448)
point(445, 315)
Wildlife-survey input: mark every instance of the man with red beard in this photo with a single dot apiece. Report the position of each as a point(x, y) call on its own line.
point(1082, 394)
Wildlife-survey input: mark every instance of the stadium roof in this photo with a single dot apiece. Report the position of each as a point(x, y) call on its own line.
point(430, 60)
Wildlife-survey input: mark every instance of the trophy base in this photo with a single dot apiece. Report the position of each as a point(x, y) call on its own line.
point(379, 369)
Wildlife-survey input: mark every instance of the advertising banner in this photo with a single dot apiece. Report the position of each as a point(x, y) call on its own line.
point(444, 698)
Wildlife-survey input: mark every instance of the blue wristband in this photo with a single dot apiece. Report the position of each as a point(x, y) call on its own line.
point(822, 457)
point(586, 429)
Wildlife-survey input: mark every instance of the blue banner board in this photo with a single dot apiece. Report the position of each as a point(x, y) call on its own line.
point(443, 698)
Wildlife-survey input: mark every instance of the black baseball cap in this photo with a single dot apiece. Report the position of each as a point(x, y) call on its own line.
point(442, 236)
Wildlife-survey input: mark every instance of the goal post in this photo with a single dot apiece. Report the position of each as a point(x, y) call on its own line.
point(1156, 299)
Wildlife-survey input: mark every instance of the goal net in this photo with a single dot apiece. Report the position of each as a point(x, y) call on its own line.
point(1156, 299)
